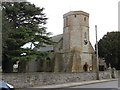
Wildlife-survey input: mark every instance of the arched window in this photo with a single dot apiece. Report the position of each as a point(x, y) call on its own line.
point(75, 15)
point(84, 18)
point(85, 35)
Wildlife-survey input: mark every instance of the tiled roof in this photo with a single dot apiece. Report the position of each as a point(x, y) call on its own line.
point(50, 47)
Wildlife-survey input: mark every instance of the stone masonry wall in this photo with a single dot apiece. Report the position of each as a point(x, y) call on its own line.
point(22, 80)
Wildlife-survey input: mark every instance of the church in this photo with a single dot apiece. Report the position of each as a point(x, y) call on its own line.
point(73, 51)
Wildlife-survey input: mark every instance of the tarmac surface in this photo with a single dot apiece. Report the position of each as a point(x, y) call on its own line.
point(110, 84)
point(66, 85)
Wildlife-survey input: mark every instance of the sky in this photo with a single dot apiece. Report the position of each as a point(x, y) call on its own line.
point(103, 13)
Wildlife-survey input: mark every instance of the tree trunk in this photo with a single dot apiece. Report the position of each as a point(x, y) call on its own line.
point(7, 66)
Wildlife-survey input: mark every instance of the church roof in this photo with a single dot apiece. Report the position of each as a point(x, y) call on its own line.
point(56, 38)
point(91, 49)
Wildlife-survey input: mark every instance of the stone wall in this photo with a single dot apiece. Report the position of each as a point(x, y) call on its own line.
point(22, 80)
point(105, 75)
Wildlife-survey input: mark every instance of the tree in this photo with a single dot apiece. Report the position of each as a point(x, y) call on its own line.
point(109, 49)
point(22, 23)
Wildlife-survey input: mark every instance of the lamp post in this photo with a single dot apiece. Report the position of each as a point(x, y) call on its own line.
point(97, 72)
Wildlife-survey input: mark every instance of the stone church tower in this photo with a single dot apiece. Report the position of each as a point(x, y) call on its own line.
point(76, 47)
point(73, 51)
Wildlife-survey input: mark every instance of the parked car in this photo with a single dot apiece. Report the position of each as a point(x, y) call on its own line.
point(6, 86)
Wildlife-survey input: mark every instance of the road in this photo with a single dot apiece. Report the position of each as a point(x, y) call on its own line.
point(111, 85)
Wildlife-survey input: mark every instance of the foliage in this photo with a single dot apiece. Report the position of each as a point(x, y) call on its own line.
point(109, 49)
point(22, 23)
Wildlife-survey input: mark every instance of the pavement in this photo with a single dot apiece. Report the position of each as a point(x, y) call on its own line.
point(65, 85)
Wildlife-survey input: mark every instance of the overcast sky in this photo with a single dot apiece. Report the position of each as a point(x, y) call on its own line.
point(103, 13)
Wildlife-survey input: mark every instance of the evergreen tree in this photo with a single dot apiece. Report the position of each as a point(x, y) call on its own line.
point(22, 23)
point(109, 49)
